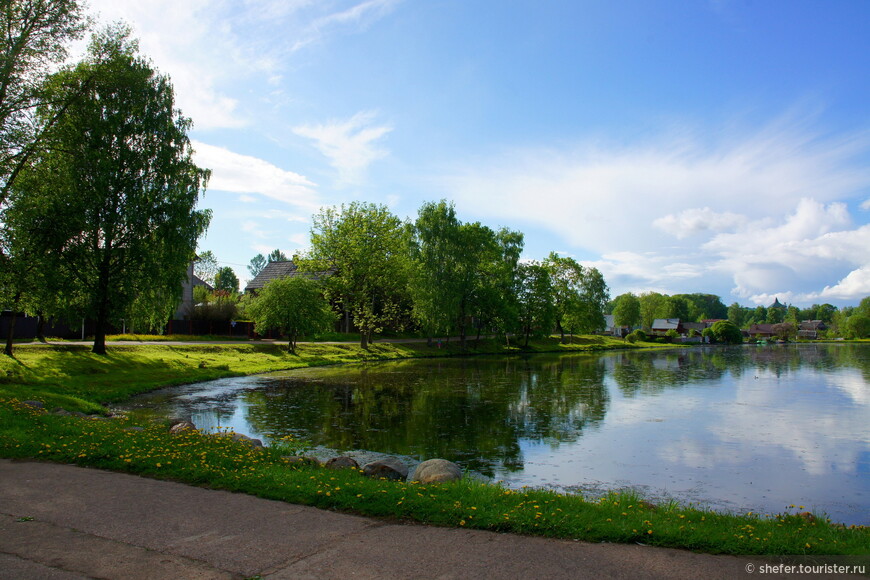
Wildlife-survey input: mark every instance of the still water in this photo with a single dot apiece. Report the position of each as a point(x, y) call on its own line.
point(737, 429)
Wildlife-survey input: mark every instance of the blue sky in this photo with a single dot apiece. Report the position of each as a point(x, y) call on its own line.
point(707, 146)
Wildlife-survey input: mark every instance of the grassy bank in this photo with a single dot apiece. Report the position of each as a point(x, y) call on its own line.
point(71, 377)
point(221, 462)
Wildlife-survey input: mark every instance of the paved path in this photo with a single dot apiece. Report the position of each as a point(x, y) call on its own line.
point(88, 523)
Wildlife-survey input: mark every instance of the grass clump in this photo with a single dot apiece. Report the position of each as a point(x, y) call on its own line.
point(222, 462)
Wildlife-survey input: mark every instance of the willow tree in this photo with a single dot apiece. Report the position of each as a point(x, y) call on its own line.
point(295, 305)
point(112, 200)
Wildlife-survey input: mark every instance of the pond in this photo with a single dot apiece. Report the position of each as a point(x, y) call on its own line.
point(753, 428)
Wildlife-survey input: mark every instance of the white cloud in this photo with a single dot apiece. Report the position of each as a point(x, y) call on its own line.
point(247, 175)
point(772, 215)
point(219, 52)
point(350, 145)
point(855, 285)
point(695, 221)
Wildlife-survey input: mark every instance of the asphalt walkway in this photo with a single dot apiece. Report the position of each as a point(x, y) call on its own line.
point(62, 522)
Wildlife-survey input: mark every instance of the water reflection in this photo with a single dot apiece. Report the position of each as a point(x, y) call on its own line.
point(750, 428)
point(471, 411)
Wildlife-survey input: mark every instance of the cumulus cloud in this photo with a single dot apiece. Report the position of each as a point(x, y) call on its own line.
point(695, 221)
point(350, 144)
point(773, 215)
point(248, 175)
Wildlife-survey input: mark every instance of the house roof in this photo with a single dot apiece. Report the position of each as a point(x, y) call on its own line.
point(666, 324)
point(280, 269)
point(272, 271)
point(197, 281)
point(761, 329)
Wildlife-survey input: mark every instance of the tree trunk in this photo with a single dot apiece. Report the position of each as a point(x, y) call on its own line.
point(363, 340)
point(561, 331)
point(40, 327)
point(10, 334)
point(100, 334)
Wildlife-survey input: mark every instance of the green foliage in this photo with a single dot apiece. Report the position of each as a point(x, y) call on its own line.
point(276, 255)
point(626, 310)
point(34, 39)
point(676, 307)
point(857, 326)
point(724, 331)
point(226, 280)
point(217, 306)
point(737, 314)
point(295, 305)
point(566, 276)
point(111, 205)
point(537, 313)
point(652, 305)
point(703, 306)
point(364, 248)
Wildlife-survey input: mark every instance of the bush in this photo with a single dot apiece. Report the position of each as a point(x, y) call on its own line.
point(727, 332)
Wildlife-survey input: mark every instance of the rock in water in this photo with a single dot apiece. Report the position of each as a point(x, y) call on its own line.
point(437, 471)
point(388, 468)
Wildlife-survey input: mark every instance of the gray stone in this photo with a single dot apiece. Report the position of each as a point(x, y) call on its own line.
point(342, 462)
point(387, 468)
point(437, 471)
point(182, 426)
point(34, 404)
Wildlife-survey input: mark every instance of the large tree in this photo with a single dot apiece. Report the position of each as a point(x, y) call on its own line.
point(537, 312)
point(364, 249)
point(33, 38)
point(566, 276)
point(112, 200)
point(594, 295)
point(626, 311)
point(434, 281)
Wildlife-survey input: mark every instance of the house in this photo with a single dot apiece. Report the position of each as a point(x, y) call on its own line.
point(279, 269)
point(185, 308)
point(271, 271)
point(761, 330)
point(809, 329)
point(688, 327)
point(611, 329)
point(662, 325)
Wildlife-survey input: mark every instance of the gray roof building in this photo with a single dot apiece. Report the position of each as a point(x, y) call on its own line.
point(281, 269)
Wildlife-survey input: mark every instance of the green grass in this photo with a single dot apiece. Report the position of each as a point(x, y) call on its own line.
point(220, 462)
point(71, 377)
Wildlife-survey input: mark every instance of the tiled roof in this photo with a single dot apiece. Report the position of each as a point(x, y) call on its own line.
point(275, 270)
point(271, 271)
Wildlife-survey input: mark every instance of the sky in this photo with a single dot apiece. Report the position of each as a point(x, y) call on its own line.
point(716, 146)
